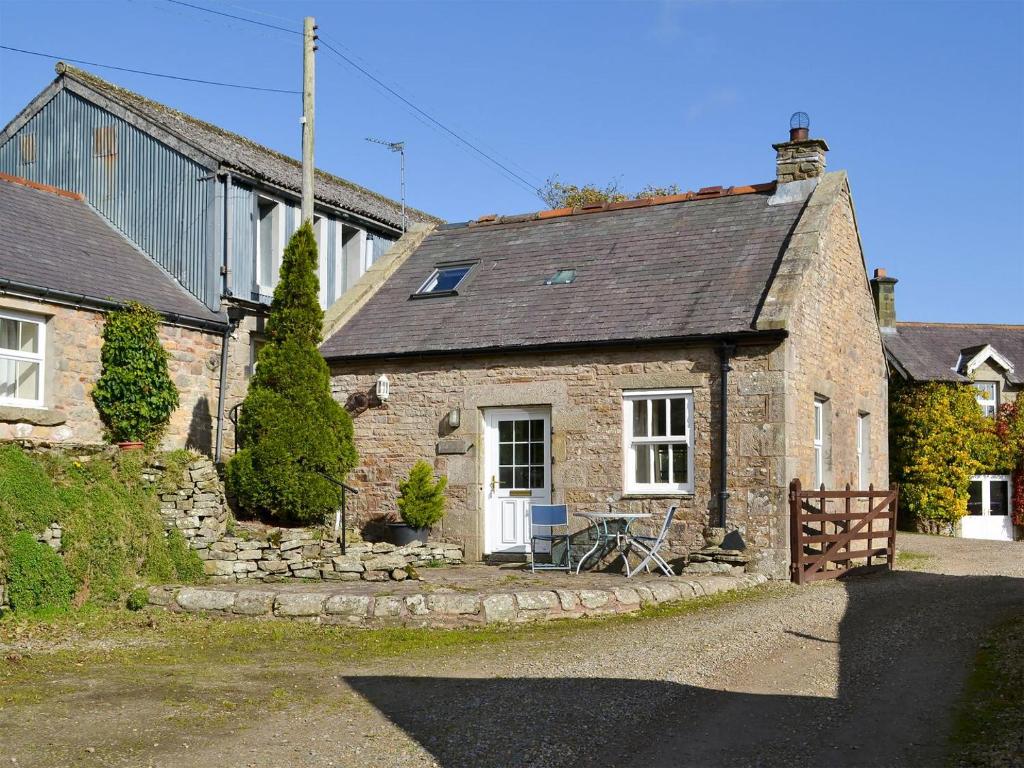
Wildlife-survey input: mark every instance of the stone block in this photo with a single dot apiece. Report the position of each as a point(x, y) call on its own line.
point(453, 604)
point(499, 609)
point(272, 566)
point(384, 563)
point(292, 544)
point(243, 566)
point(663, 591)
point(567, 599)
point(627, 595)
point(388, 606)
point(306, 573)
point(299, 603)
point(374, 576)
point(218, 567)
point(417, 605)
point(537, 601)
point(399, 574)
point(347, 564)
point(382, 547)
point(594, 598)
point(250, 554)
point(348, 605)
point(250, 602)
point(193, 599)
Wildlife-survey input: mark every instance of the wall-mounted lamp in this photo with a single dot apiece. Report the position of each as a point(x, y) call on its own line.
point(383, 388)
point(454, 418)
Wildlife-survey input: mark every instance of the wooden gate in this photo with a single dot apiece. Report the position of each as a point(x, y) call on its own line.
point(823, 525)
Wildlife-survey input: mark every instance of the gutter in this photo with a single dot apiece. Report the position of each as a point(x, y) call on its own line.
point(79, 300)
point(749, 337)
point(226, 339)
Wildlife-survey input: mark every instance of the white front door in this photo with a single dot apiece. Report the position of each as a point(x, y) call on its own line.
point(988, 510)
point(517, 466)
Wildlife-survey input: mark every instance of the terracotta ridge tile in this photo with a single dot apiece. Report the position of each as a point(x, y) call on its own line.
point(42, 187)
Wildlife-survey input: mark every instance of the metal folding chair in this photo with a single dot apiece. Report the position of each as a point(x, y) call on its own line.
point(649, 546)
point(550, 516)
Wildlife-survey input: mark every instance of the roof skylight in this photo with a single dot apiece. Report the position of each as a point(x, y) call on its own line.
point(444, 281)
point(561, 277)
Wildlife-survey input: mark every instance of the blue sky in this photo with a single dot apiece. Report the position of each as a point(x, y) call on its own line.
point(922, 103)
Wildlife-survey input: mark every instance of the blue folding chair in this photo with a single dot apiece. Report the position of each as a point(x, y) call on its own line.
point(550, 516)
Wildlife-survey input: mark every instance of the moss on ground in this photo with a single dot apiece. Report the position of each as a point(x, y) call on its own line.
point(113, 538)
point(987, 727)
point(907, 560)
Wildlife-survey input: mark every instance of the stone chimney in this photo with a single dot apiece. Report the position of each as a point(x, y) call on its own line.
point(883, 289)
point(800, 157)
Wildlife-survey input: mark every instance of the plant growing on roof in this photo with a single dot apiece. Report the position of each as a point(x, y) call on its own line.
point(557, 194)
point(134, 395)
point(290, 427)
point(421, 498)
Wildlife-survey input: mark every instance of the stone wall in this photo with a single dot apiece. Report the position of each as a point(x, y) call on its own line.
point(72, 367)
point(196, 506)
point(583, 390)
point(835, 348)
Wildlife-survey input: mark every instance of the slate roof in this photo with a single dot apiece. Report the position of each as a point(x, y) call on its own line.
point(52, 240)
point(644, 272)
point(930, 351)
point(244, 155)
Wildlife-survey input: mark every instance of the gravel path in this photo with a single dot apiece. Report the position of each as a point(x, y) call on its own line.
point(862, 673)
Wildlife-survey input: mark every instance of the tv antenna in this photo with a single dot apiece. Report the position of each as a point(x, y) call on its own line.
point(399, 147)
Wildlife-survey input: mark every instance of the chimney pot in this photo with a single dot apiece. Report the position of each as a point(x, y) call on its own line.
point(879, 272)
point(801, 157)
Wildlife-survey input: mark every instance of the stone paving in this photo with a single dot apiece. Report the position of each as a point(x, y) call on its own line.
point(463, 596)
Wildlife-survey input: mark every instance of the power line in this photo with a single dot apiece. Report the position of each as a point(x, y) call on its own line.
point(149, 74)
point(433, 120)
point(237, 18)
point(511, 174)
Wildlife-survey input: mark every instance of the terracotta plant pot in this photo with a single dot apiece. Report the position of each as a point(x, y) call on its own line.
point(131, 445)
point(401, 534)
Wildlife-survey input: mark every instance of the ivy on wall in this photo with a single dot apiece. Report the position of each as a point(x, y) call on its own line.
point(939, 439)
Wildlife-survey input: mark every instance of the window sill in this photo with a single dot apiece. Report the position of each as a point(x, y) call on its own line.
point(657, 495)
point(40, 416)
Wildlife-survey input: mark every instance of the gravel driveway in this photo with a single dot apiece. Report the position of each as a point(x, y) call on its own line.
point(862, 673)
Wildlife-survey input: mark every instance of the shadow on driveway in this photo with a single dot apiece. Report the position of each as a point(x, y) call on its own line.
point(906, 644)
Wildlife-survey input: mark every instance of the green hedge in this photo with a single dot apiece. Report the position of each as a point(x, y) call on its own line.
point(36, 576)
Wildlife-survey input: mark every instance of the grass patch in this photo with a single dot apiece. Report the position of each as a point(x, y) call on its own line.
point(908, 560)
point(987, 730)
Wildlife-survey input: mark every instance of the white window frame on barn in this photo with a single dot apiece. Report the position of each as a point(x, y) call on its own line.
point(648, 442)
point(277, 252)
point(11, 359)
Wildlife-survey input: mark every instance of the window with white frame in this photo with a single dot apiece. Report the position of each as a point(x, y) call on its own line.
point(821, 427)
point(990, 495)
point(269, 243)
point(863, 449)
point(22, 349)
point(987, 394)
point(658, 429)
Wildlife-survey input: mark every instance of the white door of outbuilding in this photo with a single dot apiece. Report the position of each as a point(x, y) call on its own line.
point(988, 510)
point(517, 466)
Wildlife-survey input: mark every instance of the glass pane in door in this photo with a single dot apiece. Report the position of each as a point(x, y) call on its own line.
point(999, 497)
point(974, 500)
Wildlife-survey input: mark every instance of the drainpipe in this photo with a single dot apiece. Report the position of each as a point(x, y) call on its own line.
point(232, 323)
point(725, 351)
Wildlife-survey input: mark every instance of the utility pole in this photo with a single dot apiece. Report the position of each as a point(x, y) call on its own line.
point(308, 109)
point(399, 147)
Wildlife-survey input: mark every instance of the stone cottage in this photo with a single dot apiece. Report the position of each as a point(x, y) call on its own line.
point(990, 358)
point(699, 349)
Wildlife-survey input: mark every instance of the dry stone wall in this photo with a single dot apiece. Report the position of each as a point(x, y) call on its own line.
point(196, 506)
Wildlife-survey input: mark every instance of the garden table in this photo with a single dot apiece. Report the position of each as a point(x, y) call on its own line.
point(599, 521)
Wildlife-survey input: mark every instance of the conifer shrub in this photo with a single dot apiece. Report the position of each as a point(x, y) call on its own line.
point(290, 428)
point(36, 576)
point(134, 395)
point(421, 500)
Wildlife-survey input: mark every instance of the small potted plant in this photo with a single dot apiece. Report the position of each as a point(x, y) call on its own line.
point(134, 395)
point(420, 505)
